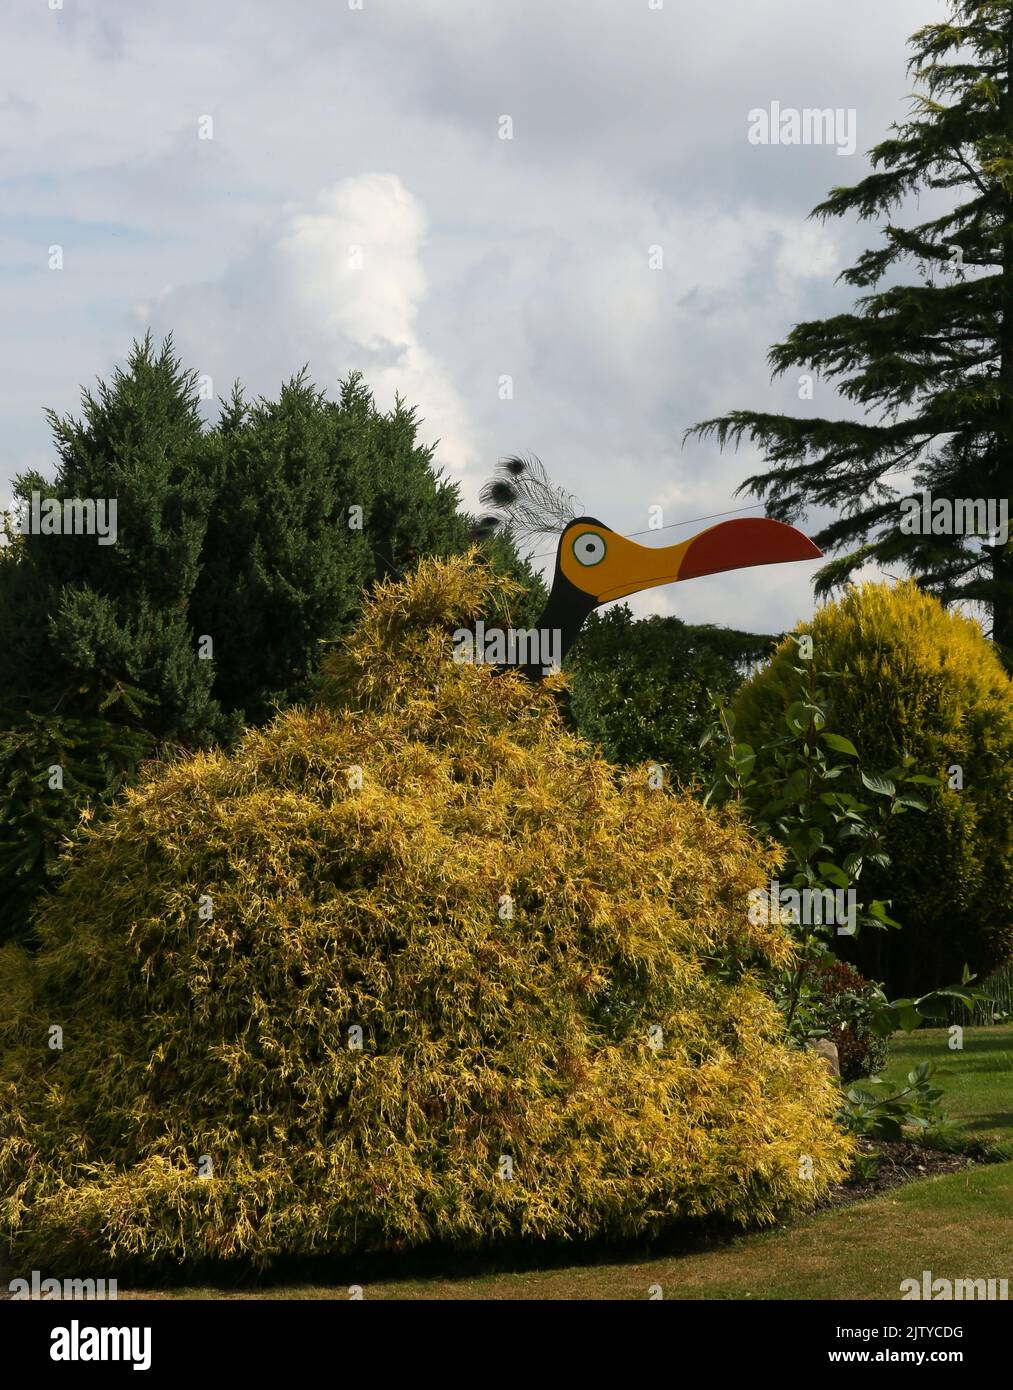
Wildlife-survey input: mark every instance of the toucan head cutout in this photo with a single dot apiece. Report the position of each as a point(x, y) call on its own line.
point(595, 565)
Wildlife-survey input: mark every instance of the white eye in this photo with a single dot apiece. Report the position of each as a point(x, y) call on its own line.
point(589, 548)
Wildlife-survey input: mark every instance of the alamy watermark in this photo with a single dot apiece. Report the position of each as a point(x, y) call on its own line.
point(39, 1288)
point(65, 516)
point(77, 1343)
point(497, 646)
point(956, 516)
point(787, 125)
point(810, 907)
point(957, 1290)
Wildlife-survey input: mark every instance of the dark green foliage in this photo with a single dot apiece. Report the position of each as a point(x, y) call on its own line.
point(640, 690)
point(315, 501)
point(246, 533)
point(927, 358)
point(996, 1005)
point(78, 618)
point(36, 818)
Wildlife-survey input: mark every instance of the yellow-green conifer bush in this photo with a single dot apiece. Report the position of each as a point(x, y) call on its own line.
point(529, 943)
point(922, 679)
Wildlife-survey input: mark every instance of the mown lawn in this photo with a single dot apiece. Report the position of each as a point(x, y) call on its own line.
point(977, 1080)
point(958, 1226)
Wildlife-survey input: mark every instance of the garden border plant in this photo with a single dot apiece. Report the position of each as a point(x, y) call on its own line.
point(787, 789)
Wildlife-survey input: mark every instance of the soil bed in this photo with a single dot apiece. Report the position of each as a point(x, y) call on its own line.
point(900, 1161)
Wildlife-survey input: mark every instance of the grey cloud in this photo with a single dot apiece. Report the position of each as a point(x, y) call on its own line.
point(630, 131)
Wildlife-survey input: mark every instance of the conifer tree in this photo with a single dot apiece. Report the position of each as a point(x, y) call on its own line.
point(927, 354)
point(241, 550)
point(314, 501)
point(80, 620)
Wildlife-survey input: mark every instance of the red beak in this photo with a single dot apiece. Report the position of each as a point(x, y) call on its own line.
point(742, 543)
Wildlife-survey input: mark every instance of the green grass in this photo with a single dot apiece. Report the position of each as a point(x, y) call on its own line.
point(958, 1226)
point(977, 1081)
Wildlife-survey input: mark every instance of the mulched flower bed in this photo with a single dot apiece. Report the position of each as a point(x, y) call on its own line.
point(900, 1161)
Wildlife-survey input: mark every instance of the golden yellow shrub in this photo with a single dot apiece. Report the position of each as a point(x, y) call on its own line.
point(514, 927)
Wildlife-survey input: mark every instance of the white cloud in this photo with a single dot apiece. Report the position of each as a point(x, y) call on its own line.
point(353, 270)
point(337, 284)
point(807, 252)
point(354, 261)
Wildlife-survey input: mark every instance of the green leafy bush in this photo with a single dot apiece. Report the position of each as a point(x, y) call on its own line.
point(528, 941)
point(790, 788)
point(881, 1109)
point(794, 787)
point(843, 1005)
point(921, 684)
point(641, 690)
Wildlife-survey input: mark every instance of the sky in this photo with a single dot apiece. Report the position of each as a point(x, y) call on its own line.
point(551, 225)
